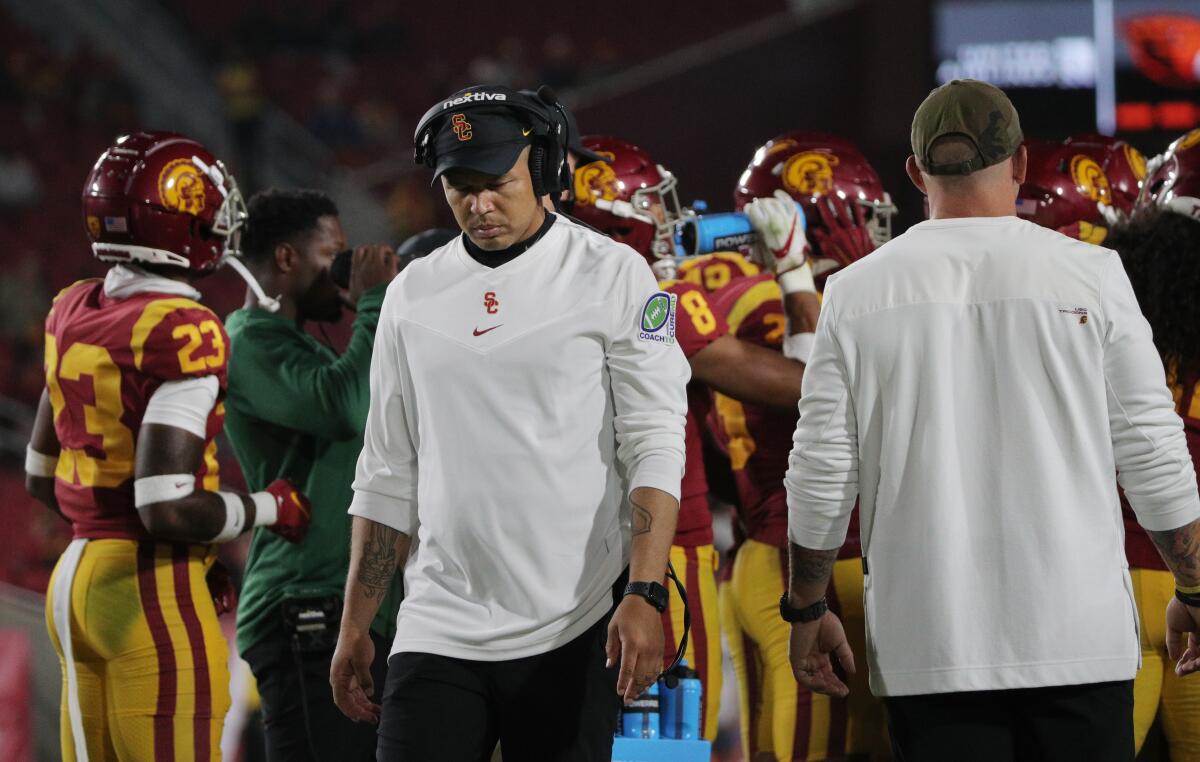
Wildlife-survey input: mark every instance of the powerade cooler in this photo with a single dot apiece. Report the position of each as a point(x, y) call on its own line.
point(663, 724)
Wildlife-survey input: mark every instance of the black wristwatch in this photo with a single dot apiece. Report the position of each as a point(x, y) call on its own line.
point(807, 614)
point(653, 592)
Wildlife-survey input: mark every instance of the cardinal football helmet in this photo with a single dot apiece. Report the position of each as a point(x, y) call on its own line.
point(1084, 184)
point(628, 197)
point(162, 198)
point(1124, 166)
point(810, 166)
point(1173, 179)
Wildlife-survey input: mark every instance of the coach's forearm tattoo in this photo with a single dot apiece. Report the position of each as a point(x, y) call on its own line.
point(642, 518)
point(1180, 548)
point(810, 566)
point(378, 563)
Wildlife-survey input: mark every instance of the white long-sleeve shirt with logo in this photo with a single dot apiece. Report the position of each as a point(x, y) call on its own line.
point(512, 411)
point(978, 382)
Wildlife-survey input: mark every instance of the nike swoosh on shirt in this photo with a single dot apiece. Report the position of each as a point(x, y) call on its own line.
point(485, 330)
point(525, 132)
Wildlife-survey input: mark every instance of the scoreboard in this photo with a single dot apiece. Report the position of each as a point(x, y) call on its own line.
point(1129, 67)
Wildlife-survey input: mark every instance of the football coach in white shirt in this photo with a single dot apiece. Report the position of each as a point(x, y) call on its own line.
point(977, 382)
point(527, 418)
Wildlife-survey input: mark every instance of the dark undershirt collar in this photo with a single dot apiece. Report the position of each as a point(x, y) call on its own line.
point(496, 258)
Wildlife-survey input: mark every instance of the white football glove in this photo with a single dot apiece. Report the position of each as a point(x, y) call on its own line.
point(781, 246)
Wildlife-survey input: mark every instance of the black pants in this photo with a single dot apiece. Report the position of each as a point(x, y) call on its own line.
point(287, 687)
point(559, 706)
point(1083, 723)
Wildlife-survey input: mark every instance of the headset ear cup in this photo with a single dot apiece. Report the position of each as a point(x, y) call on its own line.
point(547, 167)
point(423, 144)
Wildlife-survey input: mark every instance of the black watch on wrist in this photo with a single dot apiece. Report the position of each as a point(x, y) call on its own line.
point(807, 614)
point(653, 592)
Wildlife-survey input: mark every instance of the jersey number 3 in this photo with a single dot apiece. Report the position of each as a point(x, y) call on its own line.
point(102, 419)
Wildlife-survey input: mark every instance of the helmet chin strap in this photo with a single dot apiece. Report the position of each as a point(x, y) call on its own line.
point(264, 301)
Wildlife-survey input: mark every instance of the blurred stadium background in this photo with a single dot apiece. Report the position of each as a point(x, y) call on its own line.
point(325, 93)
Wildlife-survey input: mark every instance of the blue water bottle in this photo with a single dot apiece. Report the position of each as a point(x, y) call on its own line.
point(680, 706)
point(640, 719)
point(723, 231)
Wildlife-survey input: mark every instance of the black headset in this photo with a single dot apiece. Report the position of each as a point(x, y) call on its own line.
point(548, 166)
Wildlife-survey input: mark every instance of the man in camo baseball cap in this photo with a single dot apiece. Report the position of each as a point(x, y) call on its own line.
point(966, 108)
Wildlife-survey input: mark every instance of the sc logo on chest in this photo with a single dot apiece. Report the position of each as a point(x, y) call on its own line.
point(490, 303)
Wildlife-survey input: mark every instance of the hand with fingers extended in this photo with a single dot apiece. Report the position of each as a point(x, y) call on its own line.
point(635, 641)
point(812, 648)
point(350, 676)
point(1183, 636)
point(780, 245)
point(843, 235)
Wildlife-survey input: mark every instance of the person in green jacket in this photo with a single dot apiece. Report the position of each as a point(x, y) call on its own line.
point(297, 409)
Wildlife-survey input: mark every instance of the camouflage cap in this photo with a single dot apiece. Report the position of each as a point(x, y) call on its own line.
point(967, 108)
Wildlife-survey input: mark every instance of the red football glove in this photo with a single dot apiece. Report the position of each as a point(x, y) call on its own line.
point(842, 235)
point(293, 511)
point(220, 587)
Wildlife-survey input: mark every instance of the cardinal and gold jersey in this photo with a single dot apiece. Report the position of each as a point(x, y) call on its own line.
point(777, 716)
point(104, 359)
point(758, 440)
point(142, 654)
point(692, 553)
point(696, 326)
point(715, 271)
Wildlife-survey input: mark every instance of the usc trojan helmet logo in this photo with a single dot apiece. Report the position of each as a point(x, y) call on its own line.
point(1090, 179)
point(596, 180)
point(809, 173)
point(180, 187)
point(1137, 162)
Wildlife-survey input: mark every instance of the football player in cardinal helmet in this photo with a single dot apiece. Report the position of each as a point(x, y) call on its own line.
point(123, 447)
point(1159, 245)
point(1081, 186)
point(847, 210)
point(848, 214)
point(631, 198)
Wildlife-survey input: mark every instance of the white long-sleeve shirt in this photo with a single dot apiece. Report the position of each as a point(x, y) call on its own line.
point(978, 381)
point(512, 411)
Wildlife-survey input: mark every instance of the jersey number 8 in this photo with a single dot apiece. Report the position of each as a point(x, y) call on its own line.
point(698, 309)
